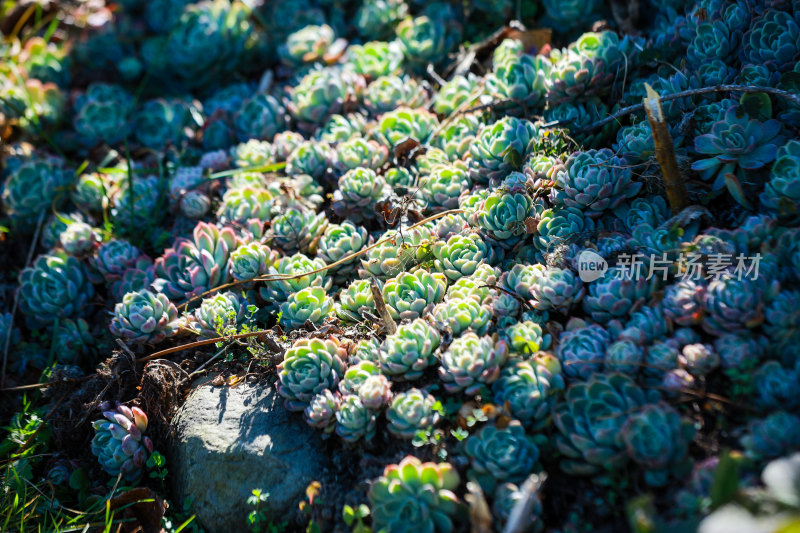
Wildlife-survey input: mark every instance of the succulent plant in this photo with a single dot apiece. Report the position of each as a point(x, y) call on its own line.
point(102, 113)
point(415, 496)
point(322, 93)
point(309, 304)
point(259, 117)
point(730, 304)
point(354, 300)
point(423, 40)
point(470, 362)
point(321, 411)
point(499, 455)
point(55, 286)
point(296, 229)
point(306, 45)
point(521, 79)
point(576, 116)
point(209, 42)
point(502, 215)
point(460, 255)
point(252, 153)
point(165, 121)
point(526, 337)
point(137, 277)
point(455, 137)
point(376, 19)
point(278, 290)
point(782, 191)
point(359, 190)
point(587, 68)
point(89, 193)
point(581, 349)
point(217, 314)
point(683, 301)
point(119, 442)
point(73, 338)
point(375, 392)
point(776, 387)
point(404, 122)
point(356, 375)
point(354, 421)
point(624, 356)
point(375, 59)
point(616, 293)
point(736, 145)
point(561, 225)
point(135, 204)
point(530, 390)
point(552, 288)
point(657, 439)
point(359, 152)
point(411, 411)
point(240, 204)
point(590, 421)
point(699, 359)
point(773, 436)
point(713, 40)
point(78, 238)
point(782, 323)
point(455, 93)
point(570, 14)
point(772, 41)
point(440, 190)
point(500, 148)
point(144, 317)
point(635, 142)
point(284, 143)
point(32, 187)
point(411, 295)
point(594, 181)
point(406, 353)
point(464, 314)
point(309, 367)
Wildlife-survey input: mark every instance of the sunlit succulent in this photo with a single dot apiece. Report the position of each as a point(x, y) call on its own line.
point(455, 94)
point(78, 238)
point(463, 314)
point(376, 19)
point(56, 285)
point(102, 113)
point(521, 79)
point(699, 359)
point(423, 40)
point(394, 126)
point(736, 145)
point(33, 186)
point(415, 496)
point(278, 290)
point(470, 362)
point(309, 367)
point(340, 128)
point(354, 300)
point(321, 411)
point(260, 117)
point(772, 40)
point(375, 392)
point(359, 190)
point(306, 45)
point(240, 204)
point(309, 304)
point(354, 421)
point(441, 188)
point(530, 389)
point(218, 314)
point(284, 143)
point(614, 294)
point(776, 387)
point(552, 288)
point(500, 148)
point(590, 420)
point(457, 135)
point(209, 42)
point(410, 412)
point(500, 454)
point(310, 157)
point(251, 260)
point(322, 93)
point(460, 255)
point(339, 241)
point(587, 68)
point(411, 295)
point(144, 317)
point(410, 350)
point(594, 181)
point(782, 191)
point(772, 436)
point(502, 215)
point(252, 153)
point(359, 152)
point(625, 356)
point(119, 442)
point(193, 266)
point(137, 206)
point(657, 439)
point(295, 229)
point(731, 304)
point(375, 59)
point(356, 375)
point(526, 337)
point(89, 193)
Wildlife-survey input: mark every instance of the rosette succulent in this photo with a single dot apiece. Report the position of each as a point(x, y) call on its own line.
point(251, 260)
point(404, 122)
point(359, 190)
point(321, 412)
point(411, 411)
point(309, 367)
point(102, 113)
point(137, 206)
point(144, 317)
point(460, 255)
point(590, 421)
point(657, 439)
point(500, 148)
point(78, 238)
point(455, 93)
point(354, 300)
point(310, 157)
point(359, 152)
point(463, 314)
point(307, 45)
point(581, 349)
point(32, 187)
point(296, 229)
point(217, 314)
point(530, 389)
point(616, 293)
point(165, 121)
point(736, 145)
point(731, 304)
point(782, 192)
point(240, 204)
point(55, 286)
point(423, 40)
point(772, 436)
point(278, 290)
point(500, 455)
point(521, 79)
point(772, 40)
point(406, 353)
point(354, 421)
point(411, 295)
point(309, 304)
point(526, 337)
point(356, 375)
point(502, 215)
point(322, 93)
point(415, 496)
point(470, 362)
point(387, 93)
point(376, 19)
point(776, 387)
point(375, 58)
point(552, 288)
point(119, 442)
point(260, 117)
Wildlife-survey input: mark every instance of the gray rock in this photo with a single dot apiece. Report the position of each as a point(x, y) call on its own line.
point(229, 441)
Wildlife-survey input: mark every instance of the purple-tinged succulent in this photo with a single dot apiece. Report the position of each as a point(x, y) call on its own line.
point(471, 362)
point(119, 442)
point(144, 317)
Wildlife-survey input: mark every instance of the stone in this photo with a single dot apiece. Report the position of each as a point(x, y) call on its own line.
point(229, 441)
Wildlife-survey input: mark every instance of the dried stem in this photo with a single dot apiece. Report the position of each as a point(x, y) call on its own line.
point(388, 322)
point(665, 152)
